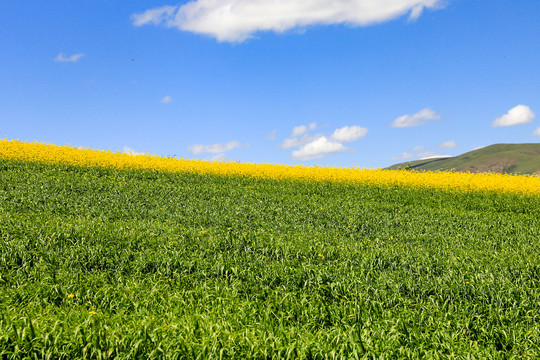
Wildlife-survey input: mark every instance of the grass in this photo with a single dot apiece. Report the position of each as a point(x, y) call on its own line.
point(98, 263)
point(499, 158)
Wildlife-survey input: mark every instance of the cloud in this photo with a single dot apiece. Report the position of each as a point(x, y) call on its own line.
point(349, 133)
point(319, 145)
point(129, 151)
point(299, 130)
point(418, 153)
point(271, 135)
point(416, 12)
point(404, 156)
point(218, 157)
point(155, 16)
point(73, 58)
point(448, 144)
point(296, 142)
point(300, 136)
point(238, 20)
point(419, 118)
point(167, 99)
point(517, 115)
point(303, 129)
point(199, 149)
point(318, 148)
point(537, 132)
point(435, 156)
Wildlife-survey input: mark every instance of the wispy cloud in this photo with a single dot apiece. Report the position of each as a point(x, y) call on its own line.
point(420, 118)
point(418, 156)
point(199, 149)
point(420, 153)
point(448, 144)
point(238, 20)
point(130, 151)
point(271, 135)
point(167, 99)
point(218, 157)
point(73, 58)
point(218, 150)
point(520, 114)
point(537, 131)
point(164, 14)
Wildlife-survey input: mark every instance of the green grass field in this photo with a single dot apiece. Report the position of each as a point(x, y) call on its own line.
point(499, 158)
point(101, 263)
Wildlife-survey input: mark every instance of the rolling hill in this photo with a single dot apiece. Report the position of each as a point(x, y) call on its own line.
point(498, 158)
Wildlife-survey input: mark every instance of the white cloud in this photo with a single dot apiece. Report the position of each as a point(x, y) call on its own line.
point(349, 133)
point(199, 149)
point(303, 129)
point(166, 99)
point(300, 136)
point(299, 130)
point(416, 12)
point(164, 14)
point(418, 153)
point(435, 156)
point(419, 118)
point(404, 156)
point(318, 148)
point(296, 142)
point(319, 145)
point(130, 151)
point(448, 144)
point(218, 157)
point(238, 20)
point(519, 114)
point(537, 132)
point(73, 58)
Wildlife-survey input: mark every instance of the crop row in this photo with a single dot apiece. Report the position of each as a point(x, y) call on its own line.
point(453, 181)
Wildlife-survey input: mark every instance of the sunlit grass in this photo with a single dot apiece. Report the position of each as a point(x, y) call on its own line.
point(454, 181)
point(102, 262)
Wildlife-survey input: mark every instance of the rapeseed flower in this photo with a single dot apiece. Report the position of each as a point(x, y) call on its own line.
point(52, 154)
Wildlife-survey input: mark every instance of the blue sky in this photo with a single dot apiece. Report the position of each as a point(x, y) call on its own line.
point(363, 83)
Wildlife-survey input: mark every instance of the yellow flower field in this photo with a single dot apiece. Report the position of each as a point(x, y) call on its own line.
point(46, 153)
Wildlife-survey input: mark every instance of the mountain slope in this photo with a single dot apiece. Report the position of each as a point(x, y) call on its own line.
point(498, 158)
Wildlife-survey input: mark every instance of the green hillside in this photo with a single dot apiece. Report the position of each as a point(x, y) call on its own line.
point(124, 264)
point(498, 158)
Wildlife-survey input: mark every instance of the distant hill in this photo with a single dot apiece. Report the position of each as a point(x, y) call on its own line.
point(498, 158)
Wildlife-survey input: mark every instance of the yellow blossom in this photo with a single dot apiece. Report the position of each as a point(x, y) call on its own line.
point(52, 154)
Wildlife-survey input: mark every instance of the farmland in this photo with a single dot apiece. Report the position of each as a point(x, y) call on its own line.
point(499, 158)
point(104, 262)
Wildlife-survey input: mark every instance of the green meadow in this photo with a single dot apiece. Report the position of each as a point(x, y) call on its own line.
point(100, 264)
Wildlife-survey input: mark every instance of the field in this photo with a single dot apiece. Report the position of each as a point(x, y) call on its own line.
point(102, 262)
point(498, 158)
